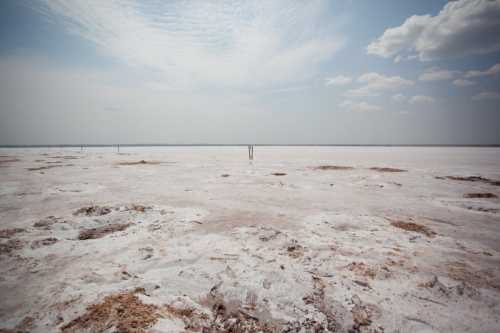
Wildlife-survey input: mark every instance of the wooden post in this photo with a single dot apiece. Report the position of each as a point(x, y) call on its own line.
point(250, 152)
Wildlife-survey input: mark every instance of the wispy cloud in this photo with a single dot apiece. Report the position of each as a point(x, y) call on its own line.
point(486, 95)
point(493, 70)
point(374, 84)
point(202, 44)
point(399, 98)
point(359, 106)
point(463, 83)
point(421, 99)
point(339, 80)
point(436, 74)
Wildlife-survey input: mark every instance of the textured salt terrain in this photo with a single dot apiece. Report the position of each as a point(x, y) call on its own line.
point(201, 239)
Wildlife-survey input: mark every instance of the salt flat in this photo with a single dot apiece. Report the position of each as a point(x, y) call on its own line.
point(302, 239)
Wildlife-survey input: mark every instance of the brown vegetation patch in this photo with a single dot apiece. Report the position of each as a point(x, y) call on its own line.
point(361, 269)
point(414, 227)
point(141, 162)
point(43, 242)
point(46, 222)
point(278, 174)
point(68, 157)
point(45, 167)
point(138, 208)
point(480, 195)
point(232, 317)
point(100, 232)
point(472, 179)
point(333, 167)
point(23, 327)
point(295, 250)
point(11, 160)
point(7, 233)
point(387, 169)
point(226, 320)
point(461, 271)
point(191, 318)
point(10, 246)
point(123, 312)
point(318, 301)
point(93, 211)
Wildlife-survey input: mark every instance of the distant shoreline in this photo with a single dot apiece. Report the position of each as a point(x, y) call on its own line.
point(244, 145)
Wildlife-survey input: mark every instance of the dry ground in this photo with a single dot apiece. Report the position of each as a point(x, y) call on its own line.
point(202, 240)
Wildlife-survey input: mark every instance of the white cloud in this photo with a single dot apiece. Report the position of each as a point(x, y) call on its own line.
point(493, 70)
point(206, 43)
point(420, 99)
point(436, 74)
point(399, 98)
point(486, 95)
point(359, 106)
point(375, 84)
point(463, 83)
point(339, 80)
point(461, 28)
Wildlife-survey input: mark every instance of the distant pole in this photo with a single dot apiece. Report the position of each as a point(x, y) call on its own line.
point(81, 148)
point(250, 152)
point(118, 146)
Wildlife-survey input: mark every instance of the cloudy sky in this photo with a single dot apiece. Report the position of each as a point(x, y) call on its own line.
point(282, 71)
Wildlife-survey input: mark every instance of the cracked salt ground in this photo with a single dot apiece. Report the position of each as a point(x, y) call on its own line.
point(252, 251)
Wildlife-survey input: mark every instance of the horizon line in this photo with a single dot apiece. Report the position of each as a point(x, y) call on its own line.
point(238, 145)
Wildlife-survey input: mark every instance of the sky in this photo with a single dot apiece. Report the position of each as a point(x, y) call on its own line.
point(240, 72)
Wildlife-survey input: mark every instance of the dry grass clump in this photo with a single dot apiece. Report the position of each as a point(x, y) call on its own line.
point(295, 251)
point(468, 179)
point(361, 269)
point(7, 233)
point(333, 167)
point(138, 208)
point(10, 246)
point(461, 271)
point(68, 157)
point(43, 242)
point(100, 232)
point(480, 195)
point(123, 312)
point(11, 160)
point(414, 227)
point(387, 169)
point(227, 320)
point(141, 162)
point(472, 179)
point(45, 167)
point(47, 222)
point(23, 327)
point(93, 211)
